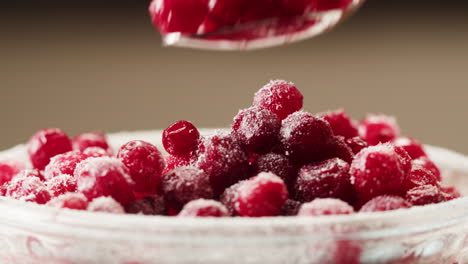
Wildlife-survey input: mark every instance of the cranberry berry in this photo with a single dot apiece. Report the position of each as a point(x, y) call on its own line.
point(8, 169)
point(76, 201)
point(420, 176)
point(173, 162)
point(450, 193)
point(150, 205)
point(290, 208)
point(181, 138)
point(341, 124)
point(46, 144)
point(30, 173)
point(428, 165)
point(426, 194)
point(277, 164)
point(64, 164)
point(280, 97)
point(105, 204)
point(204, 208)
point(385, 203)
point(413, 147)
point(356, 144)
point(377, 129)
point(327, 206)
point(61, 184)
point(29, 189)
point(88, 140)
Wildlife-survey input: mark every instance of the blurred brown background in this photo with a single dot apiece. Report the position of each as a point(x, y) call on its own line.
point(84, 65)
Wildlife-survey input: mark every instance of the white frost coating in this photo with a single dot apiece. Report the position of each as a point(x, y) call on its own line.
point(106, 205)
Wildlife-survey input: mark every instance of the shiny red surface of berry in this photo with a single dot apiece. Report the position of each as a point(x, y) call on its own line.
point(45, 144)
point(341, 124)
point(181, 138)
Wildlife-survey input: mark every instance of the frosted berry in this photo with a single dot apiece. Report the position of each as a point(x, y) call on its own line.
point(105, 205)
point(290, 208)
point(385, 203)
point(426, 194)
point(256, 129)
point(8, 169)
point(145, 164)
point(356, 144)
point(91, 139)
point(375, 129)
point(64, 164)
point(29, 189)
point(420, 176)
point(45, 144)
point(150, 205)
point(61, 184)
point(428, 165)
point(450, 193)
point(280, 97)
point(105, 176)
point(181, 138)
point(305, 137)
point(3, 189)
point(413, 147)
point(204, 208)
point(405, 159)
point(262, 195)
point(277, 164)
point(327, 206)
point(337, 148)
point(341, 124)
point(183, 16)
point(97, 152)
point(229, 198)
point(30, 173)
point(185, 184)
point(173, 162)
point(76, 201)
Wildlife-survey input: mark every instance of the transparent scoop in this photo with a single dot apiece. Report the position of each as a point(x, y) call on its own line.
point(246, 24)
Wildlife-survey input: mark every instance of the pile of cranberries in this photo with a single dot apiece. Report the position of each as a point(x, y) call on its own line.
point(275, 160)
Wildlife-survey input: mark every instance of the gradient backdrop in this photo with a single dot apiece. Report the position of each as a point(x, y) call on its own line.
point(82, 65)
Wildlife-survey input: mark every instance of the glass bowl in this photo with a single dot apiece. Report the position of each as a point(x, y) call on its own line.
point(438, 233)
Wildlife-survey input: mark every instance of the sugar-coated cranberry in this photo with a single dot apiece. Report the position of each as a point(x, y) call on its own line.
point(356, 144)
point(290, 208)
point(204, 208)
point(420, 176)
point(180, 138)
point(61, 184)
point(426, 194)
point(337, 148)
point(64, 164)
point(341, 124)
point(145, 164)
point(377, 170)
point(91, 139)
point(104, 176)
point(325, 179)
point(29, 189)
point(173, 162)
point(183, 16)
point(377, 129)
point(277, 164)
point(105, 204)
point(3, 189)
point(97, 152)
point(405, 159)
point(30, 173)
point(305, 137)
point(76, 201)
point(282, 98)
point(45, 144)
point(256, 129)
point(150, 205)
point(223, 160)
point(428, 165)
point(413, 147)
point(325, 206)
point(450, 193)
point(325, 5)
point(262, 195)
point(185, 184)
point(8, 169)
point(385, 203)
point(229, 198)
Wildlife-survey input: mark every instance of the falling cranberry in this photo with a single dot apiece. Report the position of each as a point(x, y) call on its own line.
point(64, 164)
point(277, 164)
point(61, 184)
point(76, 201)
point(92, 139)
point(204, 208)
point(428, 165)
point(8, 169)
point(150, 205)
point(426, 194)
point(356, 144)
point(341, 124)
point(280, 97)
point(377, 129)
point(413, 147)
point(45, 144)
point(181, 138)
point(385, 203)
point(29, 189)
point(326, 206)
point(183, 16)
point(105, 204)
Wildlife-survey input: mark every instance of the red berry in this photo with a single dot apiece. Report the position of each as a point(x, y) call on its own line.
point(428, 165)
point(337, 148)
point(341, 124)
point(327, 206)
point(145, 164)
point(92, 139)
point(280, 97)
point(3, 189)
point(256, 129)
point(377, 129)
point(97, 152)
point(30, 173)
point(204, 208)
point(326, 179)
point(150, 205)
point(29, 189)
point(76, 201)
point(290, 208)
point(183, 16)
point(356, 144)
point(305, 137)
point(63, 164)
point(61, 184)
point(173, 162)
point(105, 204)
point(105, 176)
point(413, 147)
point(45, 144)
point(385, 203)
point(277, 164)
point(181, 138)
point(262, 195)
point(185, 184)
point(419, 176)
point(377, 170)
point(450, 193)
point(229, 198)
point(8, 169)
point(426, 194)
point(405, 159)
point(325, 5)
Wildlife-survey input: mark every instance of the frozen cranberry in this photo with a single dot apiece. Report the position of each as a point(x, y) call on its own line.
point(450, 193)
point(105, 204)
point(181, 138)
point(413, 147)
point(183, 16)
point(290, 208)
point(428, 165)
point(92, 139)
point(256, 129)
point(30, 173)
point(204, 208)
point(337, 148)
point(377, 170)
point(150, 205)
point(305, 137)
point(325, 5)
point(377, 129)
point(326, 206)
point(185, 184)
point(426, 194)
point(329, 178)
point(262, 195)
point(405, 159)
point(356, 144)
point(61, 184)
point(97, 152)
point(280, 97)
point(45, 144)
point(145, 164)
point(76, 201)
point(341, 124)
point(419, 176)
point(229, 198)
point(173, 162)
point(63, 164)
point(277, 164)
point(385, 203)
point(29, 189)
point(223, 160)
point(104, 176)
point(8, 169)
